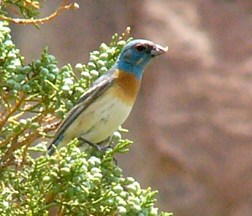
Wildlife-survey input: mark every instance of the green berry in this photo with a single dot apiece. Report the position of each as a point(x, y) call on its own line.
point(17, 86)
point(118, 188)
point(46, 179)
point(26, 69)
point(68, 81)
point(103, 47)
point(118, 171)
point(103, 70)
point(121, 43)
point(96, 53)
point(20, 77)
point(65, 68)
point(93, 57)
point(79, 67)
point(94, 73)
point(51, 77)
point(134, 207)
point(129, 180)
point(55, 70)
point(95, 170)
point(97, 176)
point(86, 75)
point(91, 65)
point(52, 67)
point(44, 72)
point(94, 161)
point(23, 121)
point(51, 58)
point(26, 88)
point(154, 211)
point(101, 63)
point(11, 67)
point(37, 63)
point(65, 170)
point(11, 82)
point(121, 210)
point(104, 56)
point(111, 51)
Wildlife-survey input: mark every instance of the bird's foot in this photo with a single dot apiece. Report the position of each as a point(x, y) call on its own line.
point(98, 147)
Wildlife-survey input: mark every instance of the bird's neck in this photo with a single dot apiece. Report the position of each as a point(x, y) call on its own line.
point(136, 70)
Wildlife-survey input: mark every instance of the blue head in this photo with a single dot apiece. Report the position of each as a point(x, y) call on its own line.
point(136, 55)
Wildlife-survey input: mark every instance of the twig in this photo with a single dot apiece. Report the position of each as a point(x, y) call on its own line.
point(12, 111)
point(41, 20)
point(30, 140)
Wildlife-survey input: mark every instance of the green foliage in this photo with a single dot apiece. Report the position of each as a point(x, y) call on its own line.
point(27, 8)
point(72, 182)
point(10, 62)
point(33, 98)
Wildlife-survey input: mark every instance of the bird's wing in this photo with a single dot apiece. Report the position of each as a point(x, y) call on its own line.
point(97, 89)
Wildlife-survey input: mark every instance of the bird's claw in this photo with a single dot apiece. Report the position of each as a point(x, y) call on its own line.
point(98, 147)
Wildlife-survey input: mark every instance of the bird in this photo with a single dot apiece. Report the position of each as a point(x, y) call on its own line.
point(109, 100)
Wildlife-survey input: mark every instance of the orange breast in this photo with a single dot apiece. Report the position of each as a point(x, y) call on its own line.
point(126, 86)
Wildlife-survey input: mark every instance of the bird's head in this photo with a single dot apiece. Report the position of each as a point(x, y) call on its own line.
point(137, 54)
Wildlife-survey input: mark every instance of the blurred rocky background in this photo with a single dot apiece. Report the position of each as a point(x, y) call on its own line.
point(192, 123)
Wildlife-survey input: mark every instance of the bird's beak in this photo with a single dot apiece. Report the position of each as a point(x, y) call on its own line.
point(158, 50)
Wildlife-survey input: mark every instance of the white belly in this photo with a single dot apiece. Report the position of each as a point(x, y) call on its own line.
point(100, 119)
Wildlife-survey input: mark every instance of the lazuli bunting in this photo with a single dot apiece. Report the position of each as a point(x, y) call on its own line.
point(109, 100)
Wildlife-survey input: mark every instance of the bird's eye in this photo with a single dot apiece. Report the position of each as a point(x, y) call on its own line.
point(141, 48)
